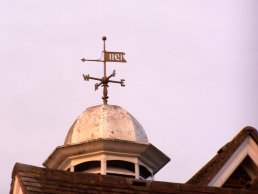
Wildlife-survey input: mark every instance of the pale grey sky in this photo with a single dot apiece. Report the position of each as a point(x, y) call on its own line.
point(191, 74)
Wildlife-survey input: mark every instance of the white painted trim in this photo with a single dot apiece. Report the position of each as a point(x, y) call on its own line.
point(248, 147)
point(253, 151)
point(95, 156)
point(17, 187)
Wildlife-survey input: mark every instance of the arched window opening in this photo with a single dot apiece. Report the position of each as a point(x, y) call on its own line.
point(87, 166)
point(119, 164)
point(144, 172)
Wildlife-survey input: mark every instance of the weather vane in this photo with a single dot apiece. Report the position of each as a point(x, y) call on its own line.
point(105, 80)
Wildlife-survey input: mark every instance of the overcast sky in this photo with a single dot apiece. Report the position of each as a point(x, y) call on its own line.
point(191, 74)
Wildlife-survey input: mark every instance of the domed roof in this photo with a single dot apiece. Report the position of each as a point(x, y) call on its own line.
point(106, 122)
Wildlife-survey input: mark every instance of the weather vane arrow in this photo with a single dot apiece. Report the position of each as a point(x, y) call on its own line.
point(105, 80)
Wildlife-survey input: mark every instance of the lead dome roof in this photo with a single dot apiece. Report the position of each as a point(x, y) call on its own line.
point(105, 122)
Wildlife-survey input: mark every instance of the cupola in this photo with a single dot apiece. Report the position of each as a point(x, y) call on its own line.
point(106, 139)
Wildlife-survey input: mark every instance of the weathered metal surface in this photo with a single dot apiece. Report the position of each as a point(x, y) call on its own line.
point(105, 80)
point(107, 122)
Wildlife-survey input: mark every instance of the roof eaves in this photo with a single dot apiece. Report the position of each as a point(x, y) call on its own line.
point(44, 180)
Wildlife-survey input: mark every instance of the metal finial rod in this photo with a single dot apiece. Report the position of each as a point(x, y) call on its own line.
point(108, 57)
point(104, 38)
point(105, 94)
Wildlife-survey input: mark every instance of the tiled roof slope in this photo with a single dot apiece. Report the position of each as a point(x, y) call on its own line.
point(205, 174)
point(35, 180)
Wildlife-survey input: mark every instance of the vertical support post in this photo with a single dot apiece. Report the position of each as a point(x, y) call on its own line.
point(152, 176)
point(71, 166)
point(137, 169)
point(103, 165)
